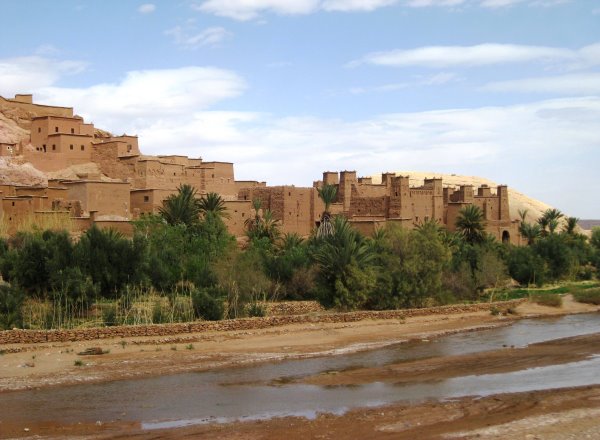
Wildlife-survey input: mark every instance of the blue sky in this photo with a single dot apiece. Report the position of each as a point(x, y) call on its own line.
point(285, 89)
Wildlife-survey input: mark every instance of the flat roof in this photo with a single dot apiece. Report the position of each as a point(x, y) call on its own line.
point(72, 134)
point(70, 118)
point(79, 182)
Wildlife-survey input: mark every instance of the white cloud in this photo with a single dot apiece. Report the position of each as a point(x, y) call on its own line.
point(355, 5)
point(147, 8)
point(250, 9)
point(18, 75)
point(244, 10)
point(188, 37)
point(437, 79)
point(481, 55)
point(574, 84)
point(146, 97)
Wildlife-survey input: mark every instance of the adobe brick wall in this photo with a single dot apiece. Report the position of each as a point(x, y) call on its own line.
point(40, 336)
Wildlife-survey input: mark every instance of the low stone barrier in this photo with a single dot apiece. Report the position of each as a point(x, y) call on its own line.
point(86, 334)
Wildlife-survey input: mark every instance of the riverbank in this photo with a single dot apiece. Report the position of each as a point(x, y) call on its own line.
point(56, 365)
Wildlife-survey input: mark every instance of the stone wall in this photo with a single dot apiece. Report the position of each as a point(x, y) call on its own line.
point(39, 336)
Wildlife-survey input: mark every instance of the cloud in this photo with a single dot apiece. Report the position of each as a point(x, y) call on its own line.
point(438, 79)
point(480, 55)
point(21, 74)
point(188, 37)
point(146, 97)
point(244, 10)
point(147, 8)
point(573, 85)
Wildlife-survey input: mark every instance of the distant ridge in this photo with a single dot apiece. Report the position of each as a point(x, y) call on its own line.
point(589, 224)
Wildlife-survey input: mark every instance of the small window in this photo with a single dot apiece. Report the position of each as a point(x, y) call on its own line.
point(146, 199)
point(53, 147)
point(39, 129)
point(71, 146)
point(129, 148)
point(213, 176)
point(56, 129)
point(290, 194)
point(82, 148)
point(72, 131)
point(13, 203)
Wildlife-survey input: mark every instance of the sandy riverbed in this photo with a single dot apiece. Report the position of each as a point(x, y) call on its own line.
point(54, 365)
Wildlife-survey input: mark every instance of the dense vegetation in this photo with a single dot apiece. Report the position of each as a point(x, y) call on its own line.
point(183, 265)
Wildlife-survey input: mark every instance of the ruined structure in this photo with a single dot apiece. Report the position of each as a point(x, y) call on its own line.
point(130, 184)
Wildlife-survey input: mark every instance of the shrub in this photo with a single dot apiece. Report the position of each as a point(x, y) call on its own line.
point(257, 309)
point(525, 266)
point(11, 300)
point(588, 296)
point(547, 299)
point(208, 304)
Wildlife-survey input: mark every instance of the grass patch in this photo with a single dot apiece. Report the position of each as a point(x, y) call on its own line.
point(78, 363)
point(588, 296)
point(547, 299)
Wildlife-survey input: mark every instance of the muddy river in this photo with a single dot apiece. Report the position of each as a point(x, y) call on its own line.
point(264, 391)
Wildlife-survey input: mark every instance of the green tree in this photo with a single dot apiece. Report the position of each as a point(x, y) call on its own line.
point(343, 258)
point(470, 223)
point(570, 226)
point(327, 193)
point(549, 220)
point(214, 204)
point(181, 208)
point(530, 231)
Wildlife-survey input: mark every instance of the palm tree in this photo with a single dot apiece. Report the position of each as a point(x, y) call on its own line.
point(181, 208)
point(270, 226)
point(549, 220)
point(531, 232)
point(214, 204)
point(570, 225)
point(471, 224)
point(290, 240)
point(327, 193)
point(345, 246)
point(523, 214)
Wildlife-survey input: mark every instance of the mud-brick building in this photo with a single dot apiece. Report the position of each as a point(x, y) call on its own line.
point(370, 206)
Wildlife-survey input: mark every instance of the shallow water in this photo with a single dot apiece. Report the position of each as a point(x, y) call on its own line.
point(246, 393)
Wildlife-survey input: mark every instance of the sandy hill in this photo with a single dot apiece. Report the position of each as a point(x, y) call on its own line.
point(518, 201)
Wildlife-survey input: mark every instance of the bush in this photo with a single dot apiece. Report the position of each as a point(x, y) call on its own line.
point(257, 310)
point(11, 300)
point(208, 304)
point(588, 296)
point(547, 299)
point(525, 266)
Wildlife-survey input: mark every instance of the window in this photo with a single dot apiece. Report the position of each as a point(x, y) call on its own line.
point(44, 147)
point(39, 129)
point(82, 147)
point(72, 131)
point(71, 146)
point(56, 129)
point(13, 203)
point(146, 199)
point(129, 148)
point(53, 147)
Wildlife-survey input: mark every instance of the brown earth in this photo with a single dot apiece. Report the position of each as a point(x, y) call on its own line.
point(545, 415)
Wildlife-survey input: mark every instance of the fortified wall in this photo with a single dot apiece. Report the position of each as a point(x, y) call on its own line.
point(129, 184)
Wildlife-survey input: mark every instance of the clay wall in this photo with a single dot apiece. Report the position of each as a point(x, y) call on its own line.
point(368, 227)
point(151, 173)
point(297, 216)
point(106, 156)
point(124, 227)
point(162, 330)
point(238, 211)
point(148, 201)
point(103, 198)
point(25, 103)
point(17, 210)
point(218, 177)
point(7, 149)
